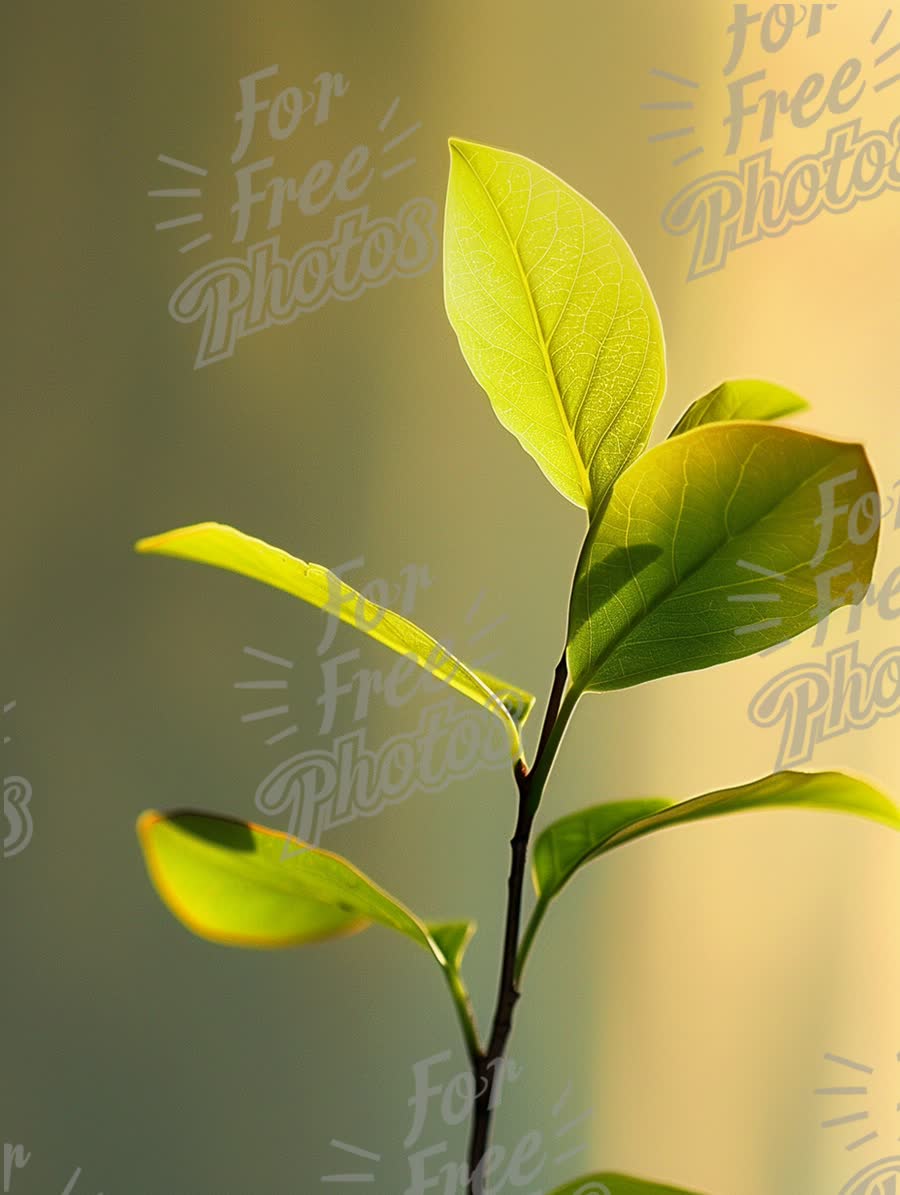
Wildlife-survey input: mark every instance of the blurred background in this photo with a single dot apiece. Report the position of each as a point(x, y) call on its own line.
point(685, 994)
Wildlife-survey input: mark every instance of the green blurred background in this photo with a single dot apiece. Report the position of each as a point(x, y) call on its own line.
point(685, 992)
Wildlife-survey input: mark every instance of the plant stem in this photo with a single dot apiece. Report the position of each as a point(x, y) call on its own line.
point(544, 762)
point(465, 1012)
point(530, 786)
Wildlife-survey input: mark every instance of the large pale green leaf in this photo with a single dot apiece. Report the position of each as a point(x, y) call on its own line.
point(554, 318)
point(225, 547)
point(235, 883)
point(616, 1184)
point(717, 544)
point(743, 399)
point(572, 841)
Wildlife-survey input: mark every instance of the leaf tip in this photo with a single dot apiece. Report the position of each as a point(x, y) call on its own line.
point(461, 148)
point(160, 544)
point(145, 823)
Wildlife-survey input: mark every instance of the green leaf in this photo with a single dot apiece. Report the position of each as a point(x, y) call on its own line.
point(236, 883)
point(554, 318)
point(716, 544)
point(616, 1184)
point(225, 547)
point(746, 399)
point(569, 843)
point(453, 938)
point(572, 841)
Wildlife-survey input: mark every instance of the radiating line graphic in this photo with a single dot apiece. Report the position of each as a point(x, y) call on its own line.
point(268, 685)
point(389, 115)
point(673, 78)
point(856, 1116)
point(488, 629)
point(207, 236)
point(274, 712)
point(180, 194)
point(862, 1141)
point(193, 218)
point(469, 637)
point(886, 83)
point(167, 161)
point(282, 734)
point(392, 170)
point(758, 626)
point(886, 55)
point(754, 597)
point(668, 136)
point(674, 105)
point(357, 1153)
point(176, 193)
point(8, 708)
point(857, 1066)
point(264, 655)
point(473, 609)
point(853, 1116)
point(765, 624)
point(398, 139)
point(368, 1176)
point(395, 141)
point(692, 153)
point(758, 568)
point(883, 24)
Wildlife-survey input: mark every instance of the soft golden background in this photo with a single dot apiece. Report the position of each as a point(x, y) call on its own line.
point(689, 988)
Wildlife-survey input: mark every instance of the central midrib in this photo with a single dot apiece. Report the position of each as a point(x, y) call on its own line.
point(651, 607)
point(548, 368)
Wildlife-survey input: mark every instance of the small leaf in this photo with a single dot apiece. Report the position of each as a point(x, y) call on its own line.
point(453, 938)
point(569, 843)
point(725, 540)
point(225, 547)
point(554, 318)
point(617, 1184)
point(234, 883)
point(740, 400)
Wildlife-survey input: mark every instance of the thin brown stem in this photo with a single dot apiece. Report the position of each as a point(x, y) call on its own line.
point(487, 1064)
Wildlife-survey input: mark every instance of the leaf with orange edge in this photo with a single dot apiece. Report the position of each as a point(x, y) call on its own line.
point(234, 882)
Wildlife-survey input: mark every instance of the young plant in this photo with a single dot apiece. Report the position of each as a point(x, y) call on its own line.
point(684, 545)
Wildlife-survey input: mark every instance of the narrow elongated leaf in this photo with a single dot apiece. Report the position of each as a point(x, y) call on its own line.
point(554, 318)
point(745, 399)
point(232, 882)
point(225, 547)
point(574, 840)
point(616, 1184)
point(569, 843)
point(725, 540)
